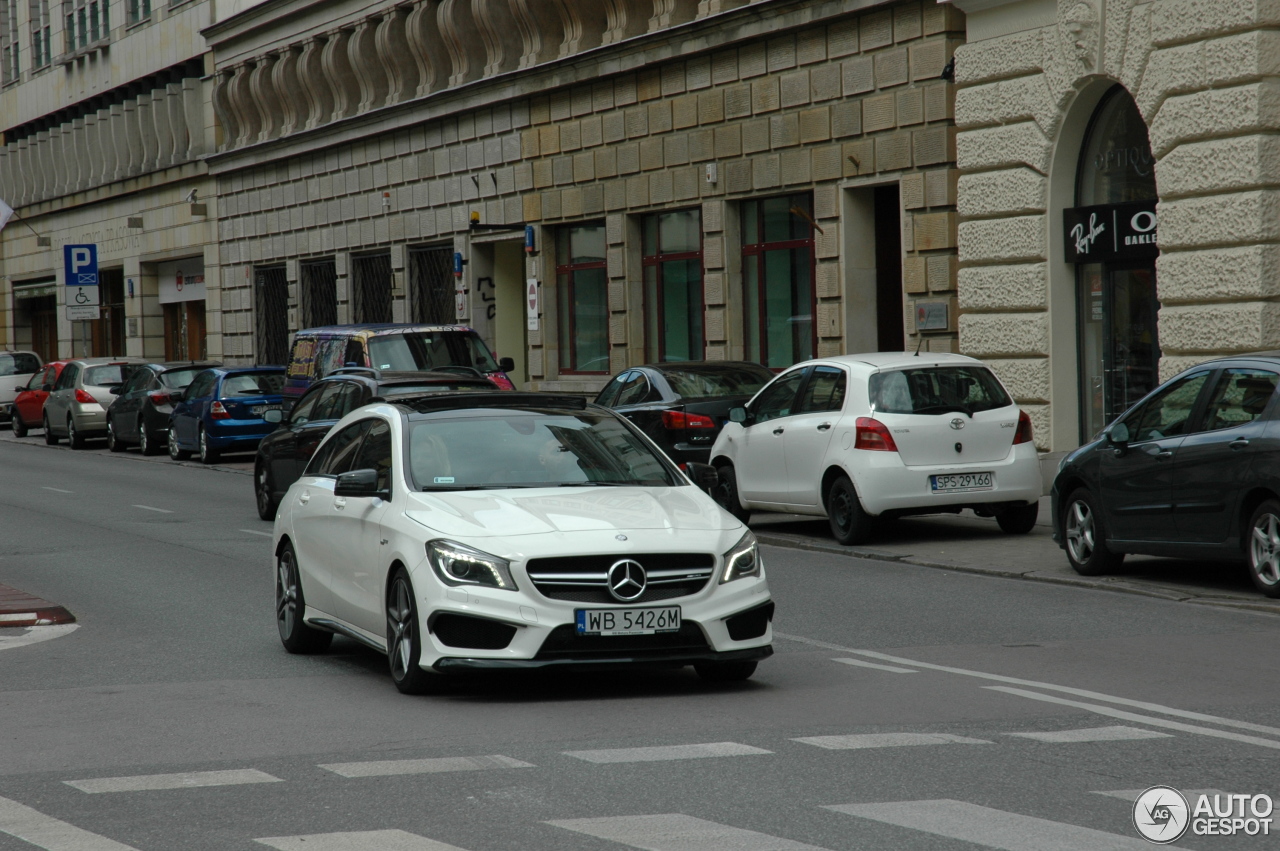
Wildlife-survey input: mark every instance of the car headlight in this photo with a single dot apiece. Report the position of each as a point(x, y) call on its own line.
point(458, 564)
point(743, 560)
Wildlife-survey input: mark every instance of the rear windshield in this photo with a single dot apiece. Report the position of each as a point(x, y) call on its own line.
point(937, 390)
point(253, 384)
point(18, 363)
point(695, 383)
point(178, 379)
point(430, 349)
point(107, 375)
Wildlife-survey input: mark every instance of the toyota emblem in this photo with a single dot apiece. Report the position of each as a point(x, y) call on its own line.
point(627, 580)
point(957, 423)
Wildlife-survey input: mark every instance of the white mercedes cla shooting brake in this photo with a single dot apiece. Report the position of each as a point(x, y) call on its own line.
point(861, 437)
point(483, 530)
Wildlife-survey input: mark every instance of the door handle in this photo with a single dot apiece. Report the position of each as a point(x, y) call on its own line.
point(1157, 453)
point(339, 502)
point(304, 497)
point(1239, 443)
point(779, 430)
point(824, 426)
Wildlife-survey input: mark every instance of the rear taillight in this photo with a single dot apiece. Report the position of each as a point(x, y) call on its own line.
point(158, 397)
point(501, 380)
point(679, 419)
point(1023, 434)
point(218, 412)
point(84, 398)
point(874, 435)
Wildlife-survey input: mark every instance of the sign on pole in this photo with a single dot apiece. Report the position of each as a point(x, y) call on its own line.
point(80, 273)
point(531, 299)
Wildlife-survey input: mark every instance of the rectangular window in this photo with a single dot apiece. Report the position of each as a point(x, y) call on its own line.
point(139, 10)
point(673, 327)
point(777, 277)
point(371, 283)
point(88, 21)
point(41, 34)
point(11, 71)
point(271, 314)
point(319, 293)
point(431, 286)
point(582, 284)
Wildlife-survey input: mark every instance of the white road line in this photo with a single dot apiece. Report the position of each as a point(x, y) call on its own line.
point(256, 532)
point(1093, 734)
point(184, 780)
point(386, 768)
point(677, 832)
point(1142, 719)
point(151, 508)
point(37, 634)
point(55, 490)
point(1093, 695)
point(49, 833)
point(368, 840)
point(862, 664)
point(992, 828)
point(666, 752)
point(1131, 795)
point(887, 740)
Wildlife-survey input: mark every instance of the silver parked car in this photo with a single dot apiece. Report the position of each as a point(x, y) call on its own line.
point(77, 407)
point(16, 369)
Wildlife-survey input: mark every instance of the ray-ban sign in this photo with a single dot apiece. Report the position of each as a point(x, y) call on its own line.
point(1110, 232)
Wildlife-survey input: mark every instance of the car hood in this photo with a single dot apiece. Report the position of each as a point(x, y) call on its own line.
point(535, 511)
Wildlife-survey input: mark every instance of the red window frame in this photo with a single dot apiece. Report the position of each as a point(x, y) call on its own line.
point(565, 286)
point(656, 348)
point(754, 252)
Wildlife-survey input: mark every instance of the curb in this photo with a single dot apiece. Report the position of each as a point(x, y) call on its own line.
point(127, 456)
point(1116, 584)
point(18, 608)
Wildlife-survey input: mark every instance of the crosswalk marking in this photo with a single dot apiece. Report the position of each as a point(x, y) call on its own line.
point(677, 832)
point(365, 840)
point(887, 740)
point(1118, 733)
point(49, 833)
point(877, 666)
point(991, 828)
point(386, 768)
point(184, 780)
point(666, 752)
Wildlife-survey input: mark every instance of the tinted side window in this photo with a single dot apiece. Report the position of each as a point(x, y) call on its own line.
point(68, 377)
point(778, 399)
point(633, 390)
point(348, 399)
point(375, 453)
point(37, 381)
point(609, 394)
point(302, 412)
point(1240, 397)
point(336, 454)
point(825, 390)
point(1166, 414)
point(201, 386)
point(327, 407)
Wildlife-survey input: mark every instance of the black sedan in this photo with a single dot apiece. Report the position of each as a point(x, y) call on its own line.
point(140, 413)
point(283, 454)
point(1192, 470)
point(682, 406)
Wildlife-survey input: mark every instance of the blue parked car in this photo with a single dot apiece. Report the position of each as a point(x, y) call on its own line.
point(222, 411)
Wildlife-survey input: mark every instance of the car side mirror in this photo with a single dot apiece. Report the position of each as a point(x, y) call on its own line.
point(737, 415)
point(274, 415)
point(1118, 436)
point(507, 364)
point(357, 483)
point(21, 388)
point(117, 390)
point(703, 475)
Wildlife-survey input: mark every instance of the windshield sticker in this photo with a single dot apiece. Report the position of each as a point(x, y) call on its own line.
point(444, 480)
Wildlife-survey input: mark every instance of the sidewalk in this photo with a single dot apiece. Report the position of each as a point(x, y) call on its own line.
point(972, 544)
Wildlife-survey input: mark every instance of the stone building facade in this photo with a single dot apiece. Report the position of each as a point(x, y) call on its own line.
point(1044, 90)
point(105, 126)
point(699, 178)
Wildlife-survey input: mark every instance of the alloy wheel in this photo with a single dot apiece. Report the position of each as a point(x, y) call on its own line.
point(144, 444)
point(113, 442)
point(1080, 531)
point(263, 492)
point(286, 594)
point(1264, 550)
point(400, 629)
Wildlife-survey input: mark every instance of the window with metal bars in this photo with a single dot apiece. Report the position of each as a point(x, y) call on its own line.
point(271, 314)
point(41, 34)
point(11, 72)
point(371, 287)
point(319, 295)
point(431, 285)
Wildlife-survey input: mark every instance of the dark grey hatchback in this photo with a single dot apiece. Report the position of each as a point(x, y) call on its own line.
point(1191, 471)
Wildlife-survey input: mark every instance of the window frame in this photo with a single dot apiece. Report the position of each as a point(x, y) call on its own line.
point(655, 339)
point(801, 373)
point(755, 252)
point(566, 288)
point(1133, 417)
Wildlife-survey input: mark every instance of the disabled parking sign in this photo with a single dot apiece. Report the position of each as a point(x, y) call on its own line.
point(80, 273)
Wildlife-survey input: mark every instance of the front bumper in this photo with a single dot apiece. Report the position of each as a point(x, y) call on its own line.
point(451, 664)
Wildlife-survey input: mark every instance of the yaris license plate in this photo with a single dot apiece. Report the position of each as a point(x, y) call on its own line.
point(962, 482)
point(627, 621)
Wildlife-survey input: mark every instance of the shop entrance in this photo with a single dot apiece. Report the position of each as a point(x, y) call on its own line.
point(107, 333)
point(874, 318)
point(498, 311)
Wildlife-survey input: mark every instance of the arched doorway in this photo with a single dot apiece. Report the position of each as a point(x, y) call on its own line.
point(1111, 237)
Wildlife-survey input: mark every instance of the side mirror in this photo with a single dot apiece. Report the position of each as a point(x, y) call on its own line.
point(273, 415)
point(117, 390)
point(21, 388)
point(1118, 435)
point(737, 415)
point(506, 364)
point(357, 483)
point(703, 475)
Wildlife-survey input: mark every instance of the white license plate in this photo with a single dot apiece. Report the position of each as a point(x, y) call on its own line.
point(259, 410)
point(627, 621)
point(962, 482)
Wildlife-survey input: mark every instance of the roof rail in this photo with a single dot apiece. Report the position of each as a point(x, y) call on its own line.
point(358, 370)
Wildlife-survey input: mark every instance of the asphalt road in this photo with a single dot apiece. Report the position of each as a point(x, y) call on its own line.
point(906, 706)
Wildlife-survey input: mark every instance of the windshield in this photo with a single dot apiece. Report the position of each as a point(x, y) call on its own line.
point(430, 350)
point(936, 390)
point(18, 363)
point(698, 383)
point(253, 384)
point(530, 448)
point(178, 379)
point(107, 375)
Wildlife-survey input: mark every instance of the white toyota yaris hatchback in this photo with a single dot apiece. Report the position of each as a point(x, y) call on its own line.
point(858, 437)
point(493, 530)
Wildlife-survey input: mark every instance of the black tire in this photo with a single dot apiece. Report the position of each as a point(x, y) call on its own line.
point(1020, 520)
point(1086, 537)
point(145, 442)
point(49, 437)
point(725, 672)
point(19, 427)
point(74, 439)
point(295, 635)
point(208, 455)
point(114, 443)
point(264, 487)
point(404, 637)
point(176, 452)
point(1262, 548)
point(849, 523)
point(725, 493)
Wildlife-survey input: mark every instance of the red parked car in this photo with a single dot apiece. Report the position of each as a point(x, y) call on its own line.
point(28, 406)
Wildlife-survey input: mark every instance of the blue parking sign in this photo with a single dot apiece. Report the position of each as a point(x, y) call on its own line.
point(80, 263)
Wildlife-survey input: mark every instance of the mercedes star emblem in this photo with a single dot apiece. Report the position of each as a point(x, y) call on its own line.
point(627, 580)
point(957, 423)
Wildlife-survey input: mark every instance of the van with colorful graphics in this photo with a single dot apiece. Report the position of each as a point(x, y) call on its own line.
point(437, 348)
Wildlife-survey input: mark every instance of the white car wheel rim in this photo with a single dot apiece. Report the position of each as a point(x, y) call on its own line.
point(1264, 549)
point(1080, 531)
